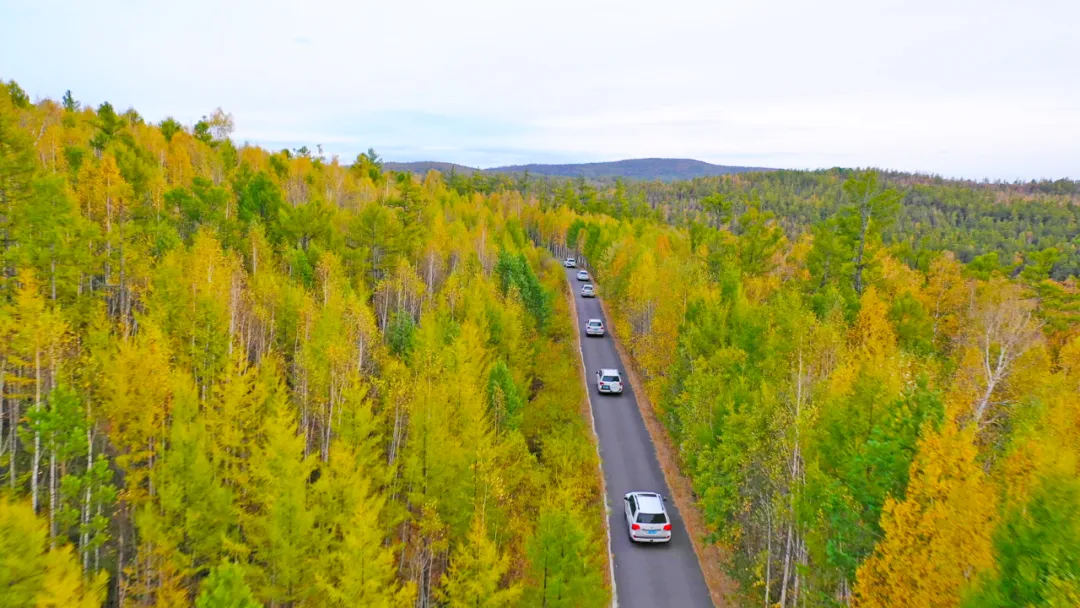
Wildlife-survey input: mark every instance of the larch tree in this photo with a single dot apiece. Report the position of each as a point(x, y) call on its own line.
point(37, 348)
point(559, 563)
point(363, 569)
point(16, 173)
point(32, 573)
point(136, 399)
point(475, 574)
point(870, 209)
point(225, 588)
point(280, 526)
point(938, 540)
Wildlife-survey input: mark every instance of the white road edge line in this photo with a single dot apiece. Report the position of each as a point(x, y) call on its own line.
point(600, 459)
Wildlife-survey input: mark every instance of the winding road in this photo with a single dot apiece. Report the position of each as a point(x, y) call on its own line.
point(645, 575)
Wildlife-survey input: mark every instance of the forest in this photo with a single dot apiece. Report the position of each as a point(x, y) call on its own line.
point(858, 430)
point(235, 377)
point(1003, 227)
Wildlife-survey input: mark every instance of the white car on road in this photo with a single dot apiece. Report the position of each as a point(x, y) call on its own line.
point(570, 263)
point(594, 327)
point(609, 381)
point(646, 518)
point(582, 275)
point(587, 291)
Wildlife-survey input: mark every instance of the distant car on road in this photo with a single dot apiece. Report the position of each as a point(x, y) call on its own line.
point(594, 327)
point(570, 263)
point(646, 518)
point(582, 275)
point(587, 291)
point(609, 381)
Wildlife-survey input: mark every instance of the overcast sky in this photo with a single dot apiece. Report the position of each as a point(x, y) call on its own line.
point(987, 88)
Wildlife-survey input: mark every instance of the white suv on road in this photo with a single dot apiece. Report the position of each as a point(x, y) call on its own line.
point(609, 381)
point(587, 291)
point(594, 327)
point(646, 518)
point(582, 275)
point(569, 262)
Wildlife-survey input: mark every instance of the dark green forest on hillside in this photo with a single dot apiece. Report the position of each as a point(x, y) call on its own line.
point(998, 226)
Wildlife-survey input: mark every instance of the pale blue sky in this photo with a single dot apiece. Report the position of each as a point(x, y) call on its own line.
point(968, 88)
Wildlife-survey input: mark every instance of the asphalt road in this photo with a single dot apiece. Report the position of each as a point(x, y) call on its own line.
point(645, 575)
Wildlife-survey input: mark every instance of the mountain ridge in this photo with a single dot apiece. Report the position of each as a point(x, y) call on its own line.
point(664, 169)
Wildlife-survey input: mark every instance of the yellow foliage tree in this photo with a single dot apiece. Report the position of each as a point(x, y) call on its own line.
point(1003, 327)
point(945, 294)
point(475, 573)
point(136, 397)
point(31, 574)
point(873, 335)
point(939, 538)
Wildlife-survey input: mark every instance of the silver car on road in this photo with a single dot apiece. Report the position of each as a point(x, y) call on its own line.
point(646, 518)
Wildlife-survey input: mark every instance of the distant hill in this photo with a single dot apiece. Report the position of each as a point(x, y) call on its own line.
point(664, 169)
point(424, 166)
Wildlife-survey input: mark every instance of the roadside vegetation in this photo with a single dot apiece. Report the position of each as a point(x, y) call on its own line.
point(230, 376)
point(861, 426)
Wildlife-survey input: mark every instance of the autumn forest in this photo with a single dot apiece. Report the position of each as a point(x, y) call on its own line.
point(231, 376)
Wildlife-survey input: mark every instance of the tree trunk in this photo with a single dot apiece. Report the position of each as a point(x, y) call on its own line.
point(13, 443)
point(798, 578)
point(795, 477)
point(329, 422)
point(787, 566)
point(865, 217)
point(768, 560)
point(232, 314)
point(84, 532)
point(52, 492)
point(37, 434)
point(399, 424)
point(123, 286)
point(108, 233)
point(121, 589)
point(544, 593)
point(3, 376)
point(97, 549)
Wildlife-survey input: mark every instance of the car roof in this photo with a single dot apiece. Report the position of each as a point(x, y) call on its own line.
point(596, 321)
point(608, 372)
point(649, 502)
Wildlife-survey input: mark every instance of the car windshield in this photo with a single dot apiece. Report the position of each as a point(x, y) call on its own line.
point(595, 324)
point(610, 378)
point(651, 518)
